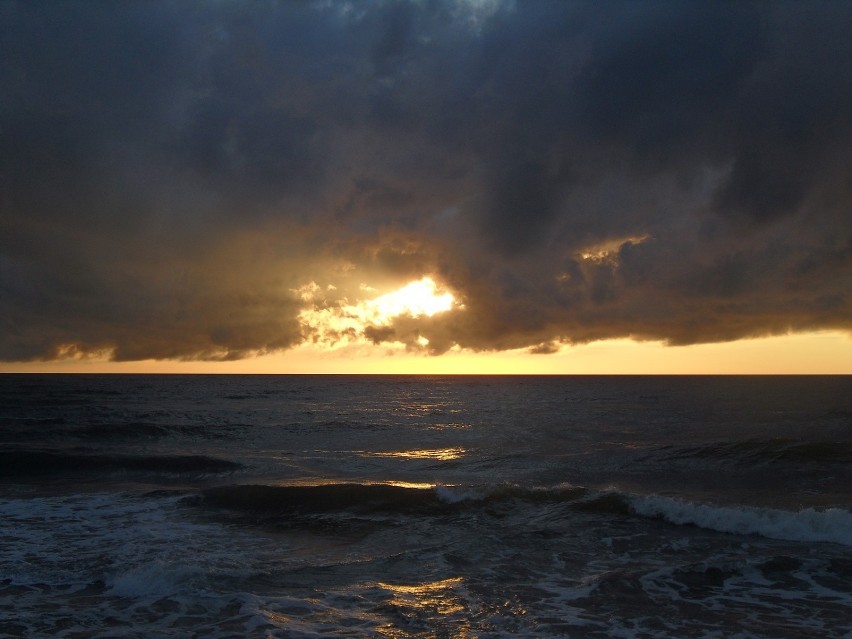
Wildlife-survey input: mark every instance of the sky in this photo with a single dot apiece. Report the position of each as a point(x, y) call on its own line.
point(426, 186)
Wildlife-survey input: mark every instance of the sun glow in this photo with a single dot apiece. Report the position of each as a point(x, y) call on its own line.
point(822, 352)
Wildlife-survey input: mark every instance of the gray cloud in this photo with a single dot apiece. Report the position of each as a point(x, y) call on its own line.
point(171, 172)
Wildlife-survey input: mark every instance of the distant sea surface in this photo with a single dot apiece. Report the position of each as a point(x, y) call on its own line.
point(387, 506)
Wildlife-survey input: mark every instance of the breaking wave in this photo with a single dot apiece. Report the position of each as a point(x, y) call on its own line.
point(270, 502)
point(830, 525)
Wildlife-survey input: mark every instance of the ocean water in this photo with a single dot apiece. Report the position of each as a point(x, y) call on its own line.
point(314, 506)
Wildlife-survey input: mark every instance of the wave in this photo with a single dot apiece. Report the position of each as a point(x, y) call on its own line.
point(807, 525)
point(264, 502)
point(503, 492)
point(830, 525)
point(22, 464)
point(373, 497)
point(768, 451)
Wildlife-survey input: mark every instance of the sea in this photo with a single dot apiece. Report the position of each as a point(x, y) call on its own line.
point(219, 506)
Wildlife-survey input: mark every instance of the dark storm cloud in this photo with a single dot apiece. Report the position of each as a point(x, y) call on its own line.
point(170, 173)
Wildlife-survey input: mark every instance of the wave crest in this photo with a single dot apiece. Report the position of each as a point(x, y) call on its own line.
point(374, 497)
point(830, 525)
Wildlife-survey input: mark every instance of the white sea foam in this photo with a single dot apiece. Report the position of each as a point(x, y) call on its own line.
point(459, 494)
point(831, 525)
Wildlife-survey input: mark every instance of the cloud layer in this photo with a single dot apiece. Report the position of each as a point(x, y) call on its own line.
point(173, 174)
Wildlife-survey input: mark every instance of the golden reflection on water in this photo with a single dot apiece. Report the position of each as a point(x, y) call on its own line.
point(440, 454)
point(407, 484)
point(407, 611)
point(427, 601)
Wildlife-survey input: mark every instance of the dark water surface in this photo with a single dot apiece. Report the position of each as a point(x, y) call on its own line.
point(391, 506)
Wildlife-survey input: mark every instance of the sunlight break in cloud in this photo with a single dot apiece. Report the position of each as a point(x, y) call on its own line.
point(345, 324)
point(608, 251)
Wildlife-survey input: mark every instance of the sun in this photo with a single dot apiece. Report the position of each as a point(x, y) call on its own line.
point(345, 324)
point(415, 299)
